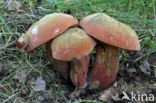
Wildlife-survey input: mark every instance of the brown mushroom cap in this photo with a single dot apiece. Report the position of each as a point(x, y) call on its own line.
point(45, 29)
point(110, 31)
point(73, 44)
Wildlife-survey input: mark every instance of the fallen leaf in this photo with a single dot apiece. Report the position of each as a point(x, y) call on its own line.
point(24, 92)
point(77, 92)
point(13, 5)
point(106, 95)
point(145, 67)
point(40, 98)
point(115, 97)
point(38, 85)
point(20, 75)
point(110, 95)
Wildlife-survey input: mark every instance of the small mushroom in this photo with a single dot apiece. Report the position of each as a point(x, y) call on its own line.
point(115, 34)
point(74, 45)
point(45, 29)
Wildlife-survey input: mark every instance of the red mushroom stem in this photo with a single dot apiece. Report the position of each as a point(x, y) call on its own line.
point(60, 66)
point(105, 68)
point(78, 72)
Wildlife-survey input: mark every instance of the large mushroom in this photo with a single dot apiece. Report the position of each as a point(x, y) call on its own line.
point(74, 45)
point(114, 34)
point(45, 29)
point(43, 32)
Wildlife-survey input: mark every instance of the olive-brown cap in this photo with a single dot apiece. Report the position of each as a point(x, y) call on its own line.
point(46, 29)
point(110, 31)
point(72, 44)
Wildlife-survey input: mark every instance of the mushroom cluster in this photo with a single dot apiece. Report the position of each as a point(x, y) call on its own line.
point(69, 44)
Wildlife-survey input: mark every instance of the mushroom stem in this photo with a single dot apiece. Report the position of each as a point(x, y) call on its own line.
point(105, 68)
point(78, 71)
point(60, 66)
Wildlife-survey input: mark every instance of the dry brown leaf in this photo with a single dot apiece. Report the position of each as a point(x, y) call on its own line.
point(38, 85)
point(110, 95)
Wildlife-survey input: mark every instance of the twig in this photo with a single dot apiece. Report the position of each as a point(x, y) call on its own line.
point(49, 75)
point(137, 59)
point(10, 97)
point(142, 57)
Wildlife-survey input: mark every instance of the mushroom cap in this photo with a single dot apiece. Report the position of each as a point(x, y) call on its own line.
point(72, 44)
point(47, 28)
point(110, 31)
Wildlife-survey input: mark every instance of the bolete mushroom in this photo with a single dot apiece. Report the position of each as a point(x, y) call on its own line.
point(74, 45)
point(115, 34)
point(44, 31)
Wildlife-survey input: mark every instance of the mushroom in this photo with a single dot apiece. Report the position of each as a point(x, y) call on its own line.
point(44, 31)
point(115, 34)
point(60, 66)
point(74, 45)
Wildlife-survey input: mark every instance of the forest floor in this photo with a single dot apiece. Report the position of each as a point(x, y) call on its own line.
point(30, 78)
